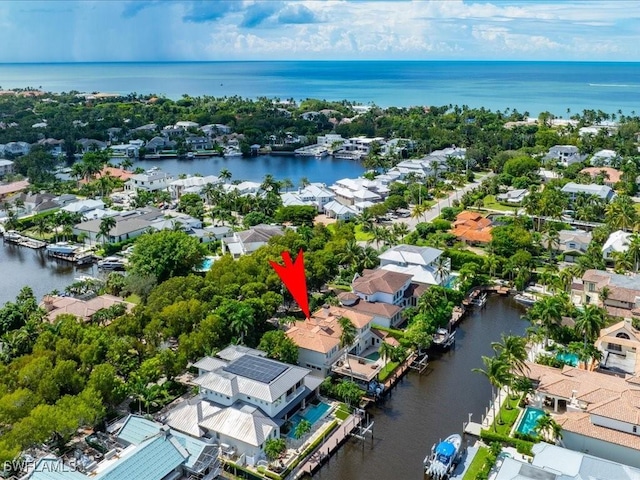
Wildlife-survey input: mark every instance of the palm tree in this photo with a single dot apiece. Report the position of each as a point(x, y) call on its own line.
point(225, 175)
point(303, 427)
point(589, 322)
point(497, 372)
point(513, 350)
point(547, 314)
point(491, 264)
point(633, 250)
point(548, 427)
point(621, 214)
point(368, 258)
point(419, 210)
point(304, 181)
point(286, 184)
point(603, 295)
point(106, 225)
point(385, 351)
point(442, 269)
point(351, 253)
point(400, 230)
point(347, 337)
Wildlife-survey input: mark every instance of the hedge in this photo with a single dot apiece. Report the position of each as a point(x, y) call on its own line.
point(307, 451)
point(522, 446)
point(459, 258)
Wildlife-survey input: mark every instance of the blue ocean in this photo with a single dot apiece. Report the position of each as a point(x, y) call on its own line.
point(562, 88)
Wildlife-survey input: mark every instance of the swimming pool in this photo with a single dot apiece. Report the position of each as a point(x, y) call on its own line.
point(529, 420)
point(373, 356)
point(206, 264)
point(453, 280)
point(568, 358)
point(311, 415)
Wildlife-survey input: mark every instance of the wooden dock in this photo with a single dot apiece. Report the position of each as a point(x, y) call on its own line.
point(83, 258)
point(24, 241)
point(328, 447)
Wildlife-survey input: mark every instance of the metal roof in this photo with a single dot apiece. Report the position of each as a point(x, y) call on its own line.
point(246, 424)
point(411, 254)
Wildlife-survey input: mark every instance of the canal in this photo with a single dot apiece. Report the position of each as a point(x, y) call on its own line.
point(423, 409)
point(21, 266)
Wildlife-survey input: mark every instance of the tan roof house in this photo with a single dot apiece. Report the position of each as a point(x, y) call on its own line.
point(83, 309)
point(471, 227)
point(623, 292)
point(619, 344)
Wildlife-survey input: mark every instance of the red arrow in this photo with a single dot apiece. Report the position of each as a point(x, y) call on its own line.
point(293, 277)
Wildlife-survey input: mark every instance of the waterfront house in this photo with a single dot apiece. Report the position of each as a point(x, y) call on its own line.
point(553, 462)
point(422, 263)
point(610, 176)
point(15, 149)
point(157, 144)
point(83, 207)
point(130, 224)
point(244, 400)
point(619, 345)
point(564, 155)
point(618, 242)
point(149, 127)
point(150, 181)
point(597, 411)
point(248, 241)
point(318, 337)
point(195, 143)
point(91, 145)
point(6, 167)
point(243, 188)
point(53, 146)
point(623, 292)
point(126, 150)
point(38, 202)
point(572, 190)
point(317, 194)
point(472, 228)
point(515, 196)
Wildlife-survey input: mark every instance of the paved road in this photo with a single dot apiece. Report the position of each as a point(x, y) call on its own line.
point(431, 214)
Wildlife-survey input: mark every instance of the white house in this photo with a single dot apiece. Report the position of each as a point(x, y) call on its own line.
point(572, 242)
point(150, 181)
point(6, 167)
point(128, 225)
point(83, 206)
point(316, 193)
point(604, 158)
point(513, 196)
point(249, 241)
point(564, 155)
point(191, 185)
point(618, 241)
point(426, 265)
point(572, 190)
point(337, 210)
point(16, 148)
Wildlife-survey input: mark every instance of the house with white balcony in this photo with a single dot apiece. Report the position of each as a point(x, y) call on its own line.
point(317, 194)
point(426, 265)
point(564, 155)
point(244, 400)
point(195, 143)
point(382, 294)
point(619, 345)
point(151, 181)
point(179, 187)
point(318, 337)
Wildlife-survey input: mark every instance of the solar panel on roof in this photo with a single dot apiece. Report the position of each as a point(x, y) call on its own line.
point(256, 368)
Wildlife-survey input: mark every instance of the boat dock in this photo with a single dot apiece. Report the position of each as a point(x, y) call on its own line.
point(329, 446)
point(17, 239)
point(80, 258)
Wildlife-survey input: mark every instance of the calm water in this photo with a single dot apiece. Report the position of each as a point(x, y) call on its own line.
point(20, 266)
point(425, 409)
point(324, 170)
point(526, 86)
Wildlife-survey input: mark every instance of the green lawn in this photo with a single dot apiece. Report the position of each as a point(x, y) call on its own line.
point(508, 416)
point(637, 207)
point(362, 236)
point(342, 412)
point(133, 298)
point(387, 370)
point(491, 203)
point(477, 465)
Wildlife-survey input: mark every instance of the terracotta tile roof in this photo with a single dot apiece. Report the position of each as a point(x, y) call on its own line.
point(384, 336)
point(579, 422)
point(385, 281)
point(376, 308)
point(80, 308)
point(613, 174)
point(321, 333)
point(114, 172)
point(472, 227)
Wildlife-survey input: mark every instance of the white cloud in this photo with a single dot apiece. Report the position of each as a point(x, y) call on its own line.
point(315, 29)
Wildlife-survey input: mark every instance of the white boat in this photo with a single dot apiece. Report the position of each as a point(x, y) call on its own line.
point(443, 338)
point(112, 263)
point(63, 248)
point(232, 152)
point(524, 299)
point(441, 462)
point(12, 235)
point(190, 155)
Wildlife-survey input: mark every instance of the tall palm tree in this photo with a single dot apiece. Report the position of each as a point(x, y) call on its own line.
point(633, 250)
point(513, 350)
point(442, 269)
point(497, 372)
point(419, 210)
point(352, 251)
point(347, 337)
point(589, 322)
point(225, 175)
point(400, 230)
point(106, 225)
point(385, 351)
point(547, 427)
point(368, 258)
point(546, 314)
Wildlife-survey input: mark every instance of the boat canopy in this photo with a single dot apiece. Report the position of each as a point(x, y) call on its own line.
point(445, 449)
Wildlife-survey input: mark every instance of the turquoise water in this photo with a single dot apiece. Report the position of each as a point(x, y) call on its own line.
point(568, 358)
point(530, 420)
point(312, 415)
point(549, 86)
point(373, 356)
point(453, 280)
point(206, 265)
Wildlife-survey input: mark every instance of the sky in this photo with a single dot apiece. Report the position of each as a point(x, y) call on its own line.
point(213, 30)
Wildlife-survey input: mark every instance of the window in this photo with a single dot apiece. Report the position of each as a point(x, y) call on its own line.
point(623, 335)
point(614, 347)
point(592, 287)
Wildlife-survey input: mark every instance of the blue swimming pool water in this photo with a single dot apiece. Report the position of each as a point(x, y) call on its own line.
point(529, 420)
point(312, 415)
point(453, 280)
point(373, 356)
point(206, 264)
point(568, 358)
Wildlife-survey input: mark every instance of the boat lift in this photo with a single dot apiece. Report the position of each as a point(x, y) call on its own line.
point(363, 427)
point(420, 363)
